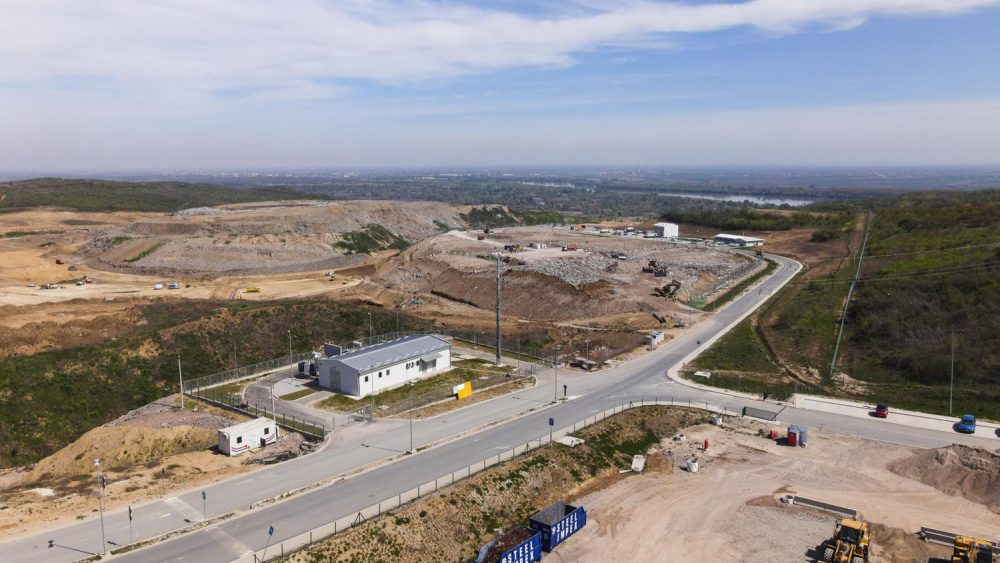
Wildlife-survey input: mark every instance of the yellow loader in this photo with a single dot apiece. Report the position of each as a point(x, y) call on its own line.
point(850, 544)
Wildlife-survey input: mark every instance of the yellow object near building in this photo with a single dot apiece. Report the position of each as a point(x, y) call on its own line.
point(462, 391)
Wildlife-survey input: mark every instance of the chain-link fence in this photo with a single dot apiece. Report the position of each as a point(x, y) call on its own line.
point(729, 281)
point(198, 385)
point(488, 380)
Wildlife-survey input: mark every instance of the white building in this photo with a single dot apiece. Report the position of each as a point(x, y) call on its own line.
point(666, 230)
point(250, 435)
point(738, 240)
point(384, 366)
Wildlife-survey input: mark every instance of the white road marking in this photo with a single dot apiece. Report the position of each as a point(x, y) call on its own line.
point(184, 508)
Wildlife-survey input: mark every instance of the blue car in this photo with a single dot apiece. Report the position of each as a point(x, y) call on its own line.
point(967, 424)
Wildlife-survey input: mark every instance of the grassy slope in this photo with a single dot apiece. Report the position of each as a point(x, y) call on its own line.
point(51, 398)
point(104, 195)
point(897, 335)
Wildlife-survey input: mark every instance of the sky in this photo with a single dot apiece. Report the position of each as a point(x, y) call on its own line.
point(222, 84)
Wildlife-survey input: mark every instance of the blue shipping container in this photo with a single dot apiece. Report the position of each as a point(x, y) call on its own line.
point(526, 552)
point(557, 522)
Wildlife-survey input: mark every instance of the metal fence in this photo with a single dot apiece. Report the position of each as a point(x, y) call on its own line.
point(729, 281)
point(488, 380)
point(314, 428)
point(194, 386)
point(305, 539)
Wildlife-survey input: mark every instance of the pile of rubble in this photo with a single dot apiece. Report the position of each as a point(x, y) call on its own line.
point(575, 270)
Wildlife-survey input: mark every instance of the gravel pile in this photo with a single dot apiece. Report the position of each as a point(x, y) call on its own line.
point(163, 414)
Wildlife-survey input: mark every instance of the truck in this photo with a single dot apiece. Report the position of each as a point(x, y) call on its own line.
point(973, 550)
point(557, 522)
point(851, 543)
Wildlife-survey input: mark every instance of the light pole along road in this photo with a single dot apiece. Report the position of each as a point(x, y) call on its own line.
point(594, 392)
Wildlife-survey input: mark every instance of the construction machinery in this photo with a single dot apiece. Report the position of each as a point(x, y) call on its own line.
point(850, 544)
point(252, 290)
point(669, 290)
point(973, 550)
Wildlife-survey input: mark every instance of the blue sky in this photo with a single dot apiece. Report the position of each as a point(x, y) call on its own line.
point(181, 84)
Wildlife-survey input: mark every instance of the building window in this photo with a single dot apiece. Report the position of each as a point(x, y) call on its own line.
point(366, 379)
point(267, 430)
point(239, 439)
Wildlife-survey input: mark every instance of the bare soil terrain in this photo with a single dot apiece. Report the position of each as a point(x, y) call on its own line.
point(152, 452)
point(663, 517)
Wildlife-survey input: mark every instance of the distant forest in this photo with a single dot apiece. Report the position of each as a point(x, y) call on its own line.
point(106, 195)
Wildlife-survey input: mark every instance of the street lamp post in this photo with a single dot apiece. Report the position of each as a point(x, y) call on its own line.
point(371, 330)
point(289, 345)
point(411, 417)
point(555, 382)
point(100, 503)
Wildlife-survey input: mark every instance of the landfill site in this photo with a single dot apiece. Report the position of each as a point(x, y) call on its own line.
point(584, 278)
point(420, 257)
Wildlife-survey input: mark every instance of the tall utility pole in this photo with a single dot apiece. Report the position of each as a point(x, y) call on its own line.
point(274, 414)
point(850, 292)
point(371, 330)
point(180, 376)
point(951, 388)
point(498, 309)
point(100, 503)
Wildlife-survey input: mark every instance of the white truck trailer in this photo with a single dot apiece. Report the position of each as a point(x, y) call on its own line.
point(247, 436)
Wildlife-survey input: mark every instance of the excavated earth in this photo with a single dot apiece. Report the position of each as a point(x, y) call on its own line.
point(263, 238)
point(971, 473)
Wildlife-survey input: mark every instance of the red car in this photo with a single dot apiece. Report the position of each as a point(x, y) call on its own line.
point(882, 410)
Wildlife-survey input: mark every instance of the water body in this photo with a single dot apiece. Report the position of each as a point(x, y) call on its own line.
point(740, 198)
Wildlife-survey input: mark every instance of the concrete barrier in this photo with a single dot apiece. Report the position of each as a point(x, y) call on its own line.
point(826, 507)
point(930, 535)
point(761, 413)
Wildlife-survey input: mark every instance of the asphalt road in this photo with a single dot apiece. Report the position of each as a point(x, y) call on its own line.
point(514, 419)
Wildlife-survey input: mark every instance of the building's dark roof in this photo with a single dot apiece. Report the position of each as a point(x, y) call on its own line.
point(393, 352)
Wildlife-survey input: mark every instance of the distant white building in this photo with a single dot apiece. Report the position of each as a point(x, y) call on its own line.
point(666, 230)
point(250, 435)
point(384, 366)
point(738, 240)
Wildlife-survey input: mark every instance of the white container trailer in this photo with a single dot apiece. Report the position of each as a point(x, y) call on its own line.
point(247, 436)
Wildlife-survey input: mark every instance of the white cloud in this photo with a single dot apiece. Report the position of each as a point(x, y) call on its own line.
point(283, 45)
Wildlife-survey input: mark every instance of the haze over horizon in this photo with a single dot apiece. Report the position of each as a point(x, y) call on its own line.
point(175, 84)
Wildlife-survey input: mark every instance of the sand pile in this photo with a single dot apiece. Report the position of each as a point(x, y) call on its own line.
point(972, 473)
point(123, 446)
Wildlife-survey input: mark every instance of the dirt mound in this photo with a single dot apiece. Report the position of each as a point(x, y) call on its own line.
point(896, 545)
point(122, 446)
point(972, 473)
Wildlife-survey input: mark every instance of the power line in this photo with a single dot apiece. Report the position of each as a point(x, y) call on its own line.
point(901, 276)
point(915, 252)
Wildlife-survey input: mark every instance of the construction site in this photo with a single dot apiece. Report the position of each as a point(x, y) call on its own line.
point(707, 490)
